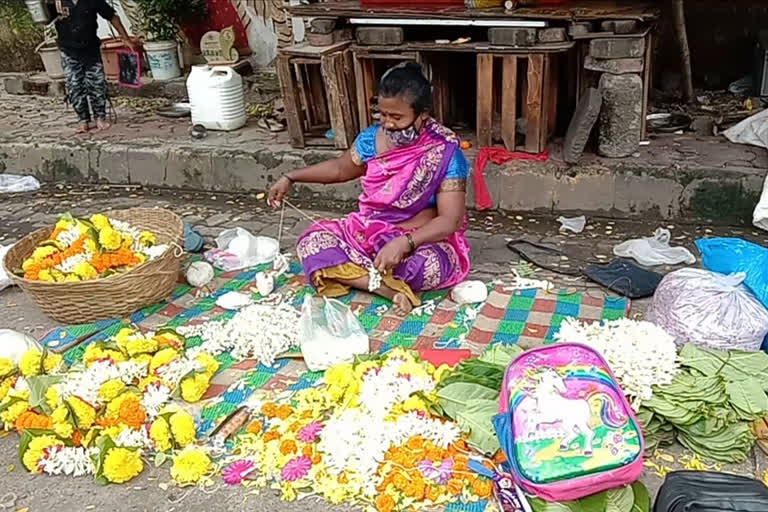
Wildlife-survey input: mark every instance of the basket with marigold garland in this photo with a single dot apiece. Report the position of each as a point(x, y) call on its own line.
point(109, 265)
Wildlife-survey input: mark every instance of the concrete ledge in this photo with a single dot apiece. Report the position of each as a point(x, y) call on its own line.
point(667, 187)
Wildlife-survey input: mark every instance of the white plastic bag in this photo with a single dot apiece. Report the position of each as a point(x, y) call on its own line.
point(13, 344)
point(760, 216)
point(469, 292)
point(5, 281)
point(572, 224)
point(709, 310)
point(14, 184)
point(329, 333)
point(655, 250)
point(237, 249)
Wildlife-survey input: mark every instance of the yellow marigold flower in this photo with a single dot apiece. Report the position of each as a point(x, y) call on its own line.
point(35, 451)
point(64, 224)
point(413, 369)
point(5, 386)
point(211, 365)
point(288, 492)
point(122, 464)
point(6, 367)
point(112, 431)
point(110, 239)
point(141, 346)
point(90, 245)
point(85, 271)
point(127, 242)
point(30, 363)
point(57, 275)
point(162, 357)
point(143, 359)
point(148, 380)
point(122, 336)
point(52, 397)
point(71, 278)
point(12, 413)
point(64, 430)
point(194, 387)
point(401, 353)
point(46, 275)
point(100, 221)
point(160, 434)
point(414, 403)
point(110, 389)
point(52, 362)
point(190, 466)
point(60, 414)
point(41, 253)
point(182, 428)
point(147, 239)
point(441, 371)
point(84, 412)
point(141, 257)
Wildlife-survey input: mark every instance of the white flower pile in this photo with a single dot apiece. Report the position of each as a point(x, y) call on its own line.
point(357, 439)
point(86, 384)
point(259, 331)
point(640, 354)
point(68, 460)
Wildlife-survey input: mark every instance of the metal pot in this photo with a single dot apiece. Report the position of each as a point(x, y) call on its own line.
point(39, 11)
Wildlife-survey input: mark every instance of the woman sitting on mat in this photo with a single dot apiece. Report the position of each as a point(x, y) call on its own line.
point(411, 219)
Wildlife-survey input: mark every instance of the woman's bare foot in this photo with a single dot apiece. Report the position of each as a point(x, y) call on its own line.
point(402, 305)
point(102, 125)
point(83, 127)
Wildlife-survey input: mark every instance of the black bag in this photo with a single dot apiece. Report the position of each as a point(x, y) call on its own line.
point(619, 276)
point(701, 491)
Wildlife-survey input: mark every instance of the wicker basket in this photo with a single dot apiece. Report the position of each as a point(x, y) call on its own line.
point(117, 295)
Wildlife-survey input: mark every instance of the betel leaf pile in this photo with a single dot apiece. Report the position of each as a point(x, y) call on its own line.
point(710, 405)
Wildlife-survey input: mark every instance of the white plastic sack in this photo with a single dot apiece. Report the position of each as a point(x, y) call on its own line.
point(760, 215)
point(5, 281)
point(654, 250)
point(237, 249)
point(709, 310)
point(14, 184)
point(753, 130)
point(572, 224)
point(329, 333)
point(13, 344)
point(469, 292)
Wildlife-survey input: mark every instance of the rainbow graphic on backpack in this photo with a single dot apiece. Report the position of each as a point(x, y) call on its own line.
point(565, 425)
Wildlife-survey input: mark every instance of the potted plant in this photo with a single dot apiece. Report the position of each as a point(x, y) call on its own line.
point(160, 24)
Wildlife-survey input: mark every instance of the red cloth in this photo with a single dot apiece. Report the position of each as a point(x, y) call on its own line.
point(451, 357)
point(499, 156)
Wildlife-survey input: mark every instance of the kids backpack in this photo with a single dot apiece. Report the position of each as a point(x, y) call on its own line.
point(565, 426)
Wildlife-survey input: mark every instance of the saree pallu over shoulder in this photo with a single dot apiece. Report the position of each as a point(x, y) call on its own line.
point(398, 185)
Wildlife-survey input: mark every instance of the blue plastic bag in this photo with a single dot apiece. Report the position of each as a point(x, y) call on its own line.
point(732, 255)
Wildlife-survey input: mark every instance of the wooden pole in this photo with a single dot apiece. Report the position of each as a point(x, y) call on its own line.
point(685, 52)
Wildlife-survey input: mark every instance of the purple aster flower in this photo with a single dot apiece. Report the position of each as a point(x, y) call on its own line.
point(296, 468)
point(440, 474)
point(237, 471)
point(309, 433)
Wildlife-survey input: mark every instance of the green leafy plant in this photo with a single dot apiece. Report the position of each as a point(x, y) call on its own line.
point(161, 18)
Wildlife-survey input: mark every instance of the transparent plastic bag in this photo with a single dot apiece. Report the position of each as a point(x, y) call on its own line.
point(237, 249)
point(14, 184)
point(329, 333)
point(654, 250)
point(709, 310)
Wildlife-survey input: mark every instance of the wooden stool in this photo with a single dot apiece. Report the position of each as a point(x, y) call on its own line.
point(538, 99)
point(318, 87)
point(367, 81)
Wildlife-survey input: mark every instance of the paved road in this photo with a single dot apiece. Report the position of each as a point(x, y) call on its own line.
point(212, 213)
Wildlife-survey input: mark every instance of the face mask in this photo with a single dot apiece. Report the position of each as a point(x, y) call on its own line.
point(403, 137)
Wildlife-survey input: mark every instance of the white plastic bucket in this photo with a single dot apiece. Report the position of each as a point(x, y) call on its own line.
point(163, 57)
point(216, 98)
point(51, 56)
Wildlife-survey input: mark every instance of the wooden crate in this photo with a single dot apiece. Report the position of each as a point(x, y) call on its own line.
point(318, 88)
point(533, 94)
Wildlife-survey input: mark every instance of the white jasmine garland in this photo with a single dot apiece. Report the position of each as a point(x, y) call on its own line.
point(68, 265)
point(258, 331)
point(173, 372)
point(130, 438)
point(68, 460)
point(155, 397)
point(640, 354)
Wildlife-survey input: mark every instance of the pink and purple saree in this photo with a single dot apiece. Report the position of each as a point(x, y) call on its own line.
point(398, 185)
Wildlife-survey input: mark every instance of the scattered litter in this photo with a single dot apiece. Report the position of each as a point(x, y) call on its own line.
point(572, 224)
point(469, 292)
point(427, 308)
point(752, 130)
point(741, 87)
point(200, 274)
point(234, 301)
point(523, 283)
point(654, 250)
point(14, 184)
point(265, 283)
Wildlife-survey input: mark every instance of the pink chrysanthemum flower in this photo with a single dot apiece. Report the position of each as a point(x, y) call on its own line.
point(296, 468)
point(309, 433)
point(236, 472)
